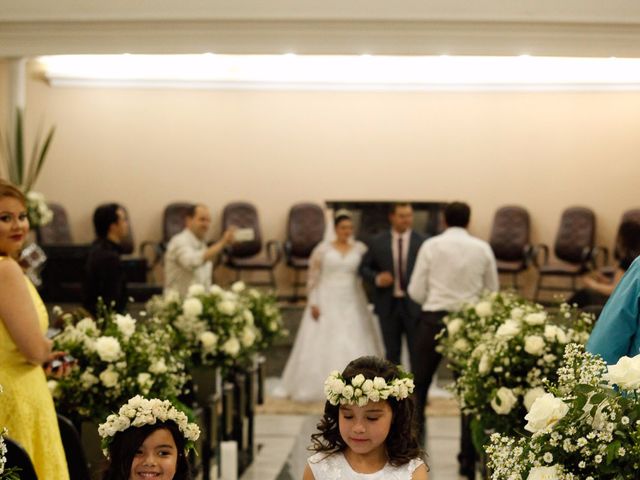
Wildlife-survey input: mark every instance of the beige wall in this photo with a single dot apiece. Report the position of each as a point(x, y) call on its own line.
point(146, 148)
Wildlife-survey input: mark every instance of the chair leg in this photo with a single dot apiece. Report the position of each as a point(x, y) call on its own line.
point(537, 289)
point(514, 282)
point(238, 275)
point(296, 277)
point(272, 279)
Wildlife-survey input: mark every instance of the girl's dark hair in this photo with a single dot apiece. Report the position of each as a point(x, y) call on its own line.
point(401, 443)
point(125, 445)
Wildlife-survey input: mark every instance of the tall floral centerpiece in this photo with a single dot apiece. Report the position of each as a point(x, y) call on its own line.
point(504, 355)
point(24, 172)
point(585, 426)
point(118, 357)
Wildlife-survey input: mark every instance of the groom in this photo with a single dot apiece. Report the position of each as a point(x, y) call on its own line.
point(387, 266)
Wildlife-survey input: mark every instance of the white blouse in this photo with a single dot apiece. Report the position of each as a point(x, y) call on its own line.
point(335, 467)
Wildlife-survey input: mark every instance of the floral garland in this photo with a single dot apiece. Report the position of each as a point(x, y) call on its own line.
point(362, 390)
point(139, 411)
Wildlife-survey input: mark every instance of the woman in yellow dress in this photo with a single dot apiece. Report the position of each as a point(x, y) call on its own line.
point(26, 406)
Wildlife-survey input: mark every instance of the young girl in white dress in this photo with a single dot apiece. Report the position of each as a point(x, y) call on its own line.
point(337, 324)
point(368, 430)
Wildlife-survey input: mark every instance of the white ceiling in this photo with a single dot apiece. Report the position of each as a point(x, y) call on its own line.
point(427, 27)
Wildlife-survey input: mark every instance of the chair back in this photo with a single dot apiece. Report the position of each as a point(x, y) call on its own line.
point(632, 215)
point(576, 234)
point(173, 219)
point(510, 233)
point(305, 228)
point(17, 457)
point(57, 231)
point(243, 215)
point(76, 459)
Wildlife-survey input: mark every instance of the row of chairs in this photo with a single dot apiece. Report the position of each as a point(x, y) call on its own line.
point(574, 246)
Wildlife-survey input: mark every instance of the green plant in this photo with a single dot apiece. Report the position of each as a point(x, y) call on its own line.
point(15, 165)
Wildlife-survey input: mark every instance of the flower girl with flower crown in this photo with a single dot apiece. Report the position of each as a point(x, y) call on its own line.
point(148, 439)
point(367, 431)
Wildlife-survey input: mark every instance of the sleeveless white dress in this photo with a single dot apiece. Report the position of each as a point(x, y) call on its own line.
point(345, 330)
point(336, 467)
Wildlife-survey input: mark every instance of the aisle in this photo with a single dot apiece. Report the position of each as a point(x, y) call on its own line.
point(282, 442)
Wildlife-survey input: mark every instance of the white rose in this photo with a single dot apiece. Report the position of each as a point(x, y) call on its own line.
point(248, 336)
point(379, 383)
point(545, 412)
point(454, 326)
point(508, 329)
point(53, 388)
point(337, 386)
point(228, 307)
point(88, 379)
point(531, 396)
point(374, 395)
point(195, 289)
point(625, 373)
point(109, 378)
point(543, 473)
point(238, 287)
point(192, 307)
point(461, 345)
point(534, 344)
point(273, 326)
point(483, 309)
point(231, 346)
point(357, 380)
point(108, 349)
point(126, 325)
point(86, 324)
point(248, 316)
point(367, 386)
point(517, 313)
point(144, 379)
point(348, 392)
point(215, 289)
point(484, 366)
point(208, 340)
point(536, 318)
point(158, 367)
point(504, 401)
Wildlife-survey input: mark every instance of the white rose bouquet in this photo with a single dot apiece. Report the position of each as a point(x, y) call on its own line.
point(266, 315)
point(118, 357)
point(504, 367)
point(586, 427)
point(215, 327)
point(38, 211)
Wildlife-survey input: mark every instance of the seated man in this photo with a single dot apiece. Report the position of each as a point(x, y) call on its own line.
point(104, 275)
point(188, 260)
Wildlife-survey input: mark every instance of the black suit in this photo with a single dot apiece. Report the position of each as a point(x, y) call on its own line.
point(396, 314)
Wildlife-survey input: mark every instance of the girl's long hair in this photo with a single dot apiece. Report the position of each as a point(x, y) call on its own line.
point(401, 443)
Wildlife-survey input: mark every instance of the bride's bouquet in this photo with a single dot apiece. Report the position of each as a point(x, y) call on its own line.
point(586, 425)
point(117, 357)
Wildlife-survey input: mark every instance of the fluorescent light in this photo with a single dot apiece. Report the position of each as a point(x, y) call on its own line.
point(336, 72)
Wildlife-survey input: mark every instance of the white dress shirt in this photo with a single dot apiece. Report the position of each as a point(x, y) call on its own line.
point(451, 269)
point(184, 263)
point(406, 238)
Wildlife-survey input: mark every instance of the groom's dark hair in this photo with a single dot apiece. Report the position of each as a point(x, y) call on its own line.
point(396, 205)
point(457, 214)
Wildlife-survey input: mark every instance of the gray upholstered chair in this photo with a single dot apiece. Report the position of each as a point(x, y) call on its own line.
point(510, 241)
point(574, 249)
point(305, 229)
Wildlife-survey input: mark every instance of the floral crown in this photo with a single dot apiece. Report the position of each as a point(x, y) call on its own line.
point(139, 411)
point(362, 390)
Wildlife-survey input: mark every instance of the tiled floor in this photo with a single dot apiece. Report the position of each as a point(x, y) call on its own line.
point(282, 441)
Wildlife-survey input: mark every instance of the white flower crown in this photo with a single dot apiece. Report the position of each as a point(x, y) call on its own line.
point(363, 390)
point(139, 411)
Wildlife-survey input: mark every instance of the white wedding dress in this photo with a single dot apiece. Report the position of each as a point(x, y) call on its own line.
point(345, 330)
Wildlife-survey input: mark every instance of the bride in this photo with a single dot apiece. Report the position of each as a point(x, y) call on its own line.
point(336, 326)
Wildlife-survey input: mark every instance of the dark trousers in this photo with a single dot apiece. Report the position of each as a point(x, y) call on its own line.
point(400, 320)
point(425, 361)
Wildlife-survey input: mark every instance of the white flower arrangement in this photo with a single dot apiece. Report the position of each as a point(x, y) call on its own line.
point(38, 211)
point(584, 427)
point(220, 327)
point(139, 411)
point(360, 390)
point(503, 357)
point(5, 474)
point(117, 358)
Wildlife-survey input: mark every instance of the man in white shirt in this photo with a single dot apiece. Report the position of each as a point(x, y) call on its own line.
point(452, 268)
point(188, 260)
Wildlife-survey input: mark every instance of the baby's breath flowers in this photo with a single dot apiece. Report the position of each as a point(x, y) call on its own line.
point(360, 390)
